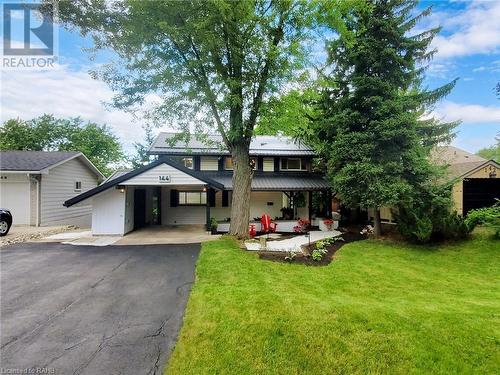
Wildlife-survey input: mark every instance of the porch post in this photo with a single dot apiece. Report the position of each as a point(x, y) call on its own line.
point(207, 209)
point(329, 203)
point(309, 204)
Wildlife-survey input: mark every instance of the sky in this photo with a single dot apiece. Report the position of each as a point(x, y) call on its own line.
point(468, 48)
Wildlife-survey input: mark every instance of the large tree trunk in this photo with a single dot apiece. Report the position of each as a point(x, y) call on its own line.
point(377, 230)
point(242, 179)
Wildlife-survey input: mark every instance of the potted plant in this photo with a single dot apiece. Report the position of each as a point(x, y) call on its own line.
point(213, 225)
point(328, 223)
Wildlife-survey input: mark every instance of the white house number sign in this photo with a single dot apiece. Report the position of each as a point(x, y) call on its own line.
point(164, 178)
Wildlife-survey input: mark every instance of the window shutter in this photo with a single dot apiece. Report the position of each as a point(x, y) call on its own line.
point(276, 164)
point(260, 164)
point(196, 163)
point(174, 198)
point(225, 198)
point(211, 197)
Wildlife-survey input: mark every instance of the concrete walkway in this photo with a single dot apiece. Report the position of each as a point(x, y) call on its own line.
point(293, 244)
point(162, 234)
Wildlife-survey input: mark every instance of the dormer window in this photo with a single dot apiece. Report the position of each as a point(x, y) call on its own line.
point(292, 164)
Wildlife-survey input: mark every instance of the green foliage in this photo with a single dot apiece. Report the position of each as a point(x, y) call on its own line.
point(213, 224)
point(321, 247)
point(492, 152)
point(428, 216)
point(48, 133)
point(141, 157)
point(317, 254)
point(369, 124)
point(488, 217)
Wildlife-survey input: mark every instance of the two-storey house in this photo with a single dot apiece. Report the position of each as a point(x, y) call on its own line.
point(191, 182)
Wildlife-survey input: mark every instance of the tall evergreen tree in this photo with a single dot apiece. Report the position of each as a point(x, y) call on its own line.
point(371, 128)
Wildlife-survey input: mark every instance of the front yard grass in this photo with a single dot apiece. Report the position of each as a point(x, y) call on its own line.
point(379, 307)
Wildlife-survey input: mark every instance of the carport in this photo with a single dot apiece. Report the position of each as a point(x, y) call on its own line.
point(162, 193)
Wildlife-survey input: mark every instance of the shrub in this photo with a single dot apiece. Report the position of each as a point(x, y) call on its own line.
point(488, 217)
point(317, 255)
point(213, 224)
point(428, 216)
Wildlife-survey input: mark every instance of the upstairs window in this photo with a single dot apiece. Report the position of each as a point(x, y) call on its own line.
point(228, 163)
point(78, 186)
point(292, 164)
point(187, 162)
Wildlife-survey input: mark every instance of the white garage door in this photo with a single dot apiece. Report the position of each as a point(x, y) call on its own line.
point(15, 196)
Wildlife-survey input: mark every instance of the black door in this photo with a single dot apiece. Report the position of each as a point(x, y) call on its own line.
point(139, 208)
point(480, 192)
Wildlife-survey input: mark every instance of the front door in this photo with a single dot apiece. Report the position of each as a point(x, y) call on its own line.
point(139, 208)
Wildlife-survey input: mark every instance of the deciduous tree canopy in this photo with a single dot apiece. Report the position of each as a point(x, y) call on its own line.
point(48, 133)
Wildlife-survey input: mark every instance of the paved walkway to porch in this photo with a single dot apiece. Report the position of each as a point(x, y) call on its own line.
point(160, 234)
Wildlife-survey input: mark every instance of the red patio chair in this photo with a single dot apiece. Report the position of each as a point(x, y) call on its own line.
point(267, 226)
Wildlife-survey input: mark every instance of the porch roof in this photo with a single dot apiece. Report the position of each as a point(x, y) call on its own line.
point(276, 181)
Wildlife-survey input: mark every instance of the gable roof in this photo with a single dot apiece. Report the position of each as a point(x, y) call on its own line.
point(40, 161)
point(213, 145)
point(459, 162)
point(111, 182)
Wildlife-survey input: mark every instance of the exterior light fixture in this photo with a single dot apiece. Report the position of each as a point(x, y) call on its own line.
point(121, 188)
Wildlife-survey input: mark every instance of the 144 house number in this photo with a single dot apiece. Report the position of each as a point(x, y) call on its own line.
point(164, 178)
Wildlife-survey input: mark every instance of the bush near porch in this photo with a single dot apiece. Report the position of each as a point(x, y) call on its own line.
point(379, 307)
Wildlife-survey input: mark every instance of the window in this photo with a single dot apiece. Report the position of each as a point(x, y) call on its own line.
point(292, 164)
point(78, 186)
point(268, 165)
point(192, 198)
point(228, 163)
point(185, 161)
point(188, 162)
point(209, 163)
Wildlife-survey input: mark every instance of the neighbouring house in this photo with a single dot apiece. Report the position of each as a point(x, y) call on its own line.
point(191, 182)
point(35, 184)
point(476, 180)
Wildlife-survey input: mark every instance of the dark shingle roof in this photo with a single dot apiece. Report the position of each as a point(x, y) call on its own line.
point(32, 160)
point(212, 145)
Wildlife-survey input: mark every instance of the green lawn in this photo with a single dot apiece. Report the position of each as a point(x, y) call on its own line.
point(380, 307)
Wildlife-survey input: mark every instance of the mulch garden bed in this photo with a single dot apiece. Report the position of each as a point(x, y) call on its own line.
point(305, 258)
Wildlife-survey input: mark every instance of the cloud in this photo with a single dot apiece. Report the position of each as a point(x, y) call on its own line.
point(475, 30)
point(469, 113)
point(65, 93)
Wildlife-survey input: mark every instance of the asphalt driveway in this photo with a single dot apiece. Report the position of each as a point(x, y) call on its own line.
point(92, 310)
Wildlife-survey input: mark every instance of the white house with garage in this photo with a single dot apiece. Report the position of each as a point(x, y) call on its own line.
point(190, 182)
point(35, 184)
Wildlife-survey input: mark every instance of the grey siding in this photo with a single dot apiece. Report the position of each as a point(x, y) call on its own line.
point(58, 186)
